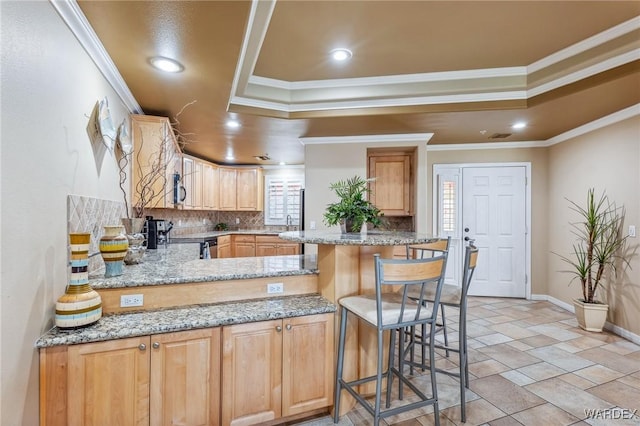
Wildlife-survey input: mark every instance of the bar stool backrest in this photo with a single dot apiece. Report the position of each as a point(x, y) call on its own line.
point(420, 251)
point(416, 273)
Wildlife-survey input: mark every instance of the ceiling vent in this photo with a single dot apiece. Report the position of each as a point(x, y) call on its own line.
point(499, 135)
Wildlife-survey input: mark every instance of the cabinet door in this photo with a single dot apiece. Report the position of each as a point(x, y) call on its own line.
point(251, 373)
point(391, 190)
point(185, 372)
point(188, 170)
point(224, 246)
point(244, 249)
point(155, 158)
point(197, 184)
point(227, 189)
point(109, 383)
point(308, 370)
point(210, 190)
point(249, 189)
point(266, 249)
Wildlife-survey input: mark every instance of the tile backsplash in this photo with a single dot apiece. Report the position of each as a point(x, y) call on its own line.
point(86, 214)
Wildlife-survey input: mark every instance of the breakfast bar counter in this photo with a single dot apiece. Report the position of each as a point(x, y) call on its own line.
point(345, 268)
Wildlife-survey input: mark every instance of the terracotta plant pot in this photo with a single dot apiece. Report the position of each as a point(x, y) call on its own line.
point(590, 316)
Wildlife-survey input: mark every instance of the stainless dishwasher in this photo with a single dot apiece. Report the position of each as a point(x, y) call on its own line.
point(209, 248)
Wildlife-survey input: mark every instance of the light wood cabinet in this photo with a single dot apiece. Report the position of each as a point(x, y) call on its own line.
point(241, 189)
point(392, 189)
point(192, 176)
point(224, 246)
point(269, 245)
point(276, 368)
point(160, 380)
point(249, 189)
point(244, 245)
point(155, 158)
point(210, 187)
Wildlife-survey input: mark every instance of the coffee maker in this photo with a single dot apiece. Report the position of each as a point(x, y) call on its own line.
point(157, 231)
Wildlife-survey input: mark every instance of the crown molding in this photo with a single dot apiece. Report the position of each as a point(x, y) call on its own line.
point(616, 117)
point(254, 91)
point(394, 139)
point(71, 14)
point(586, 44)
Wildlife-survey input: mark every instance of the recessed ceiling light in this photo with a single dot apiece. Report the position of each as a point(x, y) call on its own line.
point(166, 64)
point(341, 54)
point(519, 125)
point(232, 124)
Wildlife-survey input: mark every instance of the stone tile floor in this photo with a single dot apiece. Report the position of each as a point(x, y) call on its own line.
point(529, 364)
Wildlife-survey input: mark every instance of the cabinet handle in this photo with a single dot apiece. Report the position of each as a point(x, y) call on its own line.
point(288, 327)
point(156, 345)
point(278, 328)
point(142, 347)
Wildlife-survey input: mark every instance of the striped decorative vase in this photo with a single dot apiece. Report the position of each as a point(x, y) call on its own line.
point(80, 305)
point(113, 247)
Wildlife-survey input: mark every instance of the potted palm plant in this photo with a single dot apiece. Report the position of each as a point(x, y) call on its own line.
point(353, 210)
point(595, 255)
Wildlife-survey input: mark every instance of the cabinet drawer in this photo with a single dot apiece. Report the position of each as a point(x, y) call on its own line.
point(268, 239)
point(244, 238)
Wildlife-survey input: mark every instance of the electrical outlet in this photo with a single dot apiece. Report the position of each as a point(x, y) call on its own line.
point(632, 231)
point(129, 300)
point(312, 224)
point(275, 288)
point(237, 220)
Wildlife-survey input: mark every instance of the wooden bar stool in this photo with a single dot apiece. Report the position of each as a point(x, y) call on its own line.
point(393, 311)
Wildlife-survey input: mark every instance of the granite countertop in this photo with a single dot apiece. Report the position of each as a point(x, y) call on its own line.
point(119, 326)
point(370, 238)
point(180, 263)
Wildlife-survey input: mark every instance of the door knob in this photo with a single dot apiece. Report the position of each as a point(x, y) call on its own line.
point(466, 229)
point(466, 238)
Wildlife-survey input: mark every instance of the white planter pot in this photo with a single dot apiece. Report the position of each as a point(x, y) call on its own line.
point(590, 316)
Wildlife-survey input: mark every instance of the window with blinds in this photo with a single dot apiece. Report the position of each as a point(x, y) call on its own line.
point(282, 199)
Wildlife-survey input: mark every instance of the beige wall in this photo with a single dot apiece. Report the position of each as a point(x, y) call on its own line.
point(607, 160)
point(49, 87)
point(539, 186)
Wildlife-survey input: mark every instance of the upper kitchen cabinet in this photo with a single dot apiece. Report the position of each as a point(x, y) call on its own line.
point(241, 189)
point(192, 180)
point(156, 157)
point(392, 191)
point(210, 186)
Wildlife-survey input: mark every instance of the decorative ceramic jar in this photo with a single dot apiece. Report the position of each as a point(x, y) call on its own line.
point(113, 247)
point(80, 305)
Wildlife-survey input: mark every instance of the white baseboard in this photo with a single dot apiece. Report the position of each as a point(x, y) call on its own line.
point(615, 329)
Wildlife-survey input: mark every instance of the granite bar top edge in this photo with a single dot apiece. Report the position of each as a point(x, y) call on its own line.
point(137, 324)
point(159, 281)
point(371, 238)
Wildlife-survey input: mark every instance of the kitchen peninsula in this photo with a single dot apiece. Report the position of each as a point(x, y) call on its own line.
point(345, 265)
point(211, 344)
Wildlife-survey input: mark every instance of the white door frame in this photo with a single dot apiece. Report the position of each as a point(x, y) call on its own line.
point(434, 204)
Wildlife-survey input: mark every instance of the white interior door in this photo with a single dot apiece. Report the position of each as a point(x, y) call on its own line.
point(494, 215)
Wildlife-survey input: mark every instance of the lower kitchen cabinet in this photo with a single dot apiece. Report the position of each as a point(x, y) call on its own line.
point(162, 379)
point(224, 246)
point(243, 245)
point(274, 369)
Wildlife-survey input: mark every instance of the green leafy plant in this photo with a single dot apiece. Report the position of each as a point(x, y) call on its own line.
point(353, 209)
point(599, 243)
